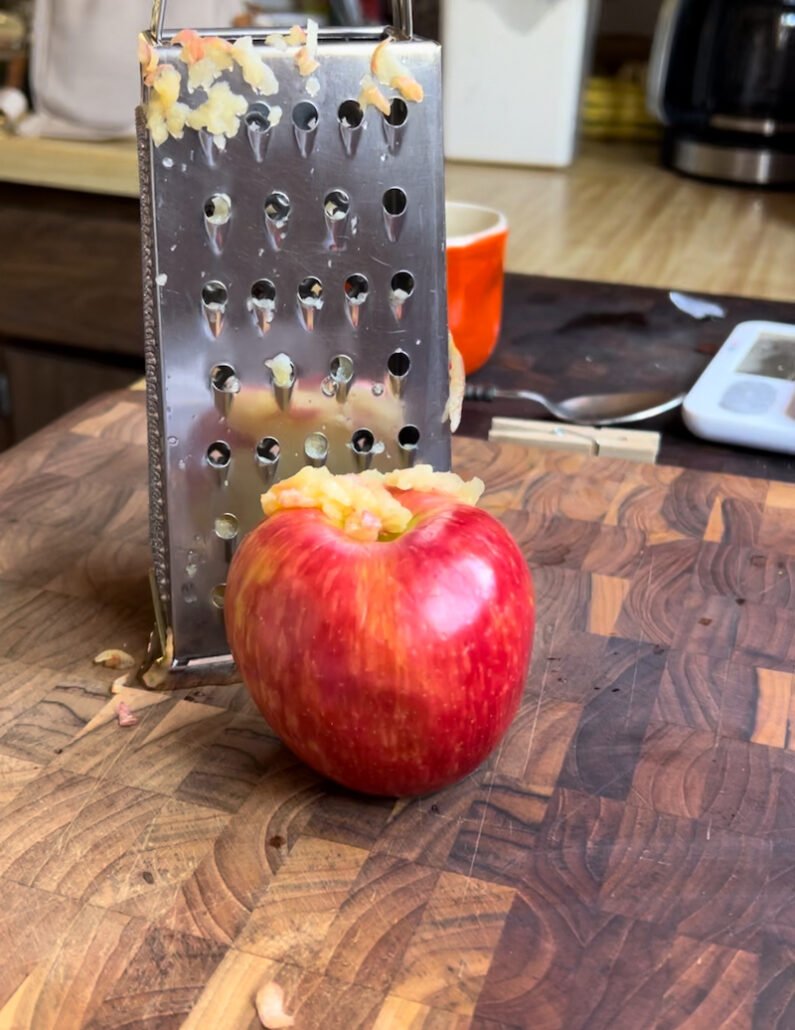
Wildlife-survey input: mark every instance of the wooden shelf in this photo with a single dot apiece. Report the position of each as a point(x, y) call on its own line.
point(71, 165)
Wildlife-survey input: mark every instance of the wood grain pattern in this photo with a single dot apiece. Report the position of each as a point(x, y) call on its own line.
point(623, 859)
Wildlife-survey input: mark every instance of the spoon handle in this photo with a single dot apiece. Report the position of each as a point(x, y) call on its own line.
point(478, 392)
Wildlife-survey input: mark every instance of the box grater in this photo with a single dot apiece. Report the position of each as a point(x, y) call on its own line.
point(294, 284)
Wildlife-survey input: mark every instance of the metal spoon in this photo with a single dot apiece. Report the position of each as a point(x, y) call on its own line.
point(598, 409)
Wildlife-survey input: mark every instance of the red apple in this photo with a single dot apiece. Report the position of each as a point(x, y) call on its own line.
point(392, 666)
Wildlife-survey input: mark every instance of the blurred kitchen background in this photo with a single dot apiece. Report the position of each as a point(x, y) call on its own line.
point(553, 113)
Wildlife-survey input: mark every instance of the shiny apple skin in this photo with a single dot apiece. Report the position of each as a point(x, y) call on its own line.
point(393, 667)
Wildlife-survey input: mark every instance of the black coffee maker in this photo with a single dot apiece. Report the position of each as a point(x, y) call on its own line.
point(722, 80)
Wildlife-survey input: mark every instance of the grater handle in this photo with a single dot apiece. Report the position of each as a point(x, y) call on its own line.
point(402, 18)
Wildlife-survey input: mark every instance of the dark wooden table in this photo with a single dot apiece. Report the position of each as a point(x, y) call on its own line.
point(625, 859)
point(565, 338)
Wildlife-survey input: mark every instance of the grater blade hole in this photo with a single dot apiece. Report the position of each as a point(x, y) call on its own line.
point(402, 285)
point(305, 116)
point(218, 209)
point(214, 295)
point(399, 364)
point(337, 204)
point(258, 117)
point(398, 112)
point(263, 293)
point(363, 441)
point(277, 207)
point(350, 114)
point(217, 595)
point(219, 454)
point(316, 449)
point(224, 379)
point(395, 201)
point(341, 368)
point(356, 288)
point(227, 526)
point(409, 437)
point(310, 292)
point(268, 450)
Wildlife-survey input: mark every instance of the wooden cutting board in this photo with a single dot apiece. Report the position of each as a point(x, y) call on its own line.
point(625, 859)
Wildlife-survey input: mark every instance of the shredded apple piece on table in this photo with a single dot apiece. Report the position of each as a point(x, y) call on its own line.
point(269, 1003)
point(125, 716)
point(113, 658)
point(362, 505)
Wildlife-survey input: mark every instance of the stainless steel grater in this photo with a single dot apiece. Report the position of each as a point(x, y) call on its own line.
point(294, 296)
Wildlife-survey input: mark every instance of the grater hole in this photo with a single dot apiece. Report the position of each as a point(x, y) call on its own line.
point(263, 293)
point(398, 112)
point(227, 526)
point(350, 114)
point(395, 201)
point(409, 437)
point(282, 370)
point(341, 368)
point(258, 117)
point(223, 378)
point(218, 209)
point(219, 454)
point(277, 208)
point(217, 595)
point(316, 448)
point(362, 441)
point(214, 295)
point(305, 116)
point(268, 450)
point(356, 288)
point(310, 292)
point(402, 285)
point(399, 364)
point(337, 204)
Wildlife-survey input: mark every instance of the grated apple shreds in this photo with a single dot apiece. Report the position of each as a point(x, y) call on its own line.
point(269, 1003)
point(362, 505)
point(371, 96)
point(306, 56)
point(457, 375)
point(206, 58)
point(113, 658)
point(282, 370)
point(125, 715)
point(389, 71)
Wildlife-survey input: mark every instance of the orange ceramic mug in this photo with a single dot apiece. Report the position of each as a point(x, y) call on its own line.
point(476, 238)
